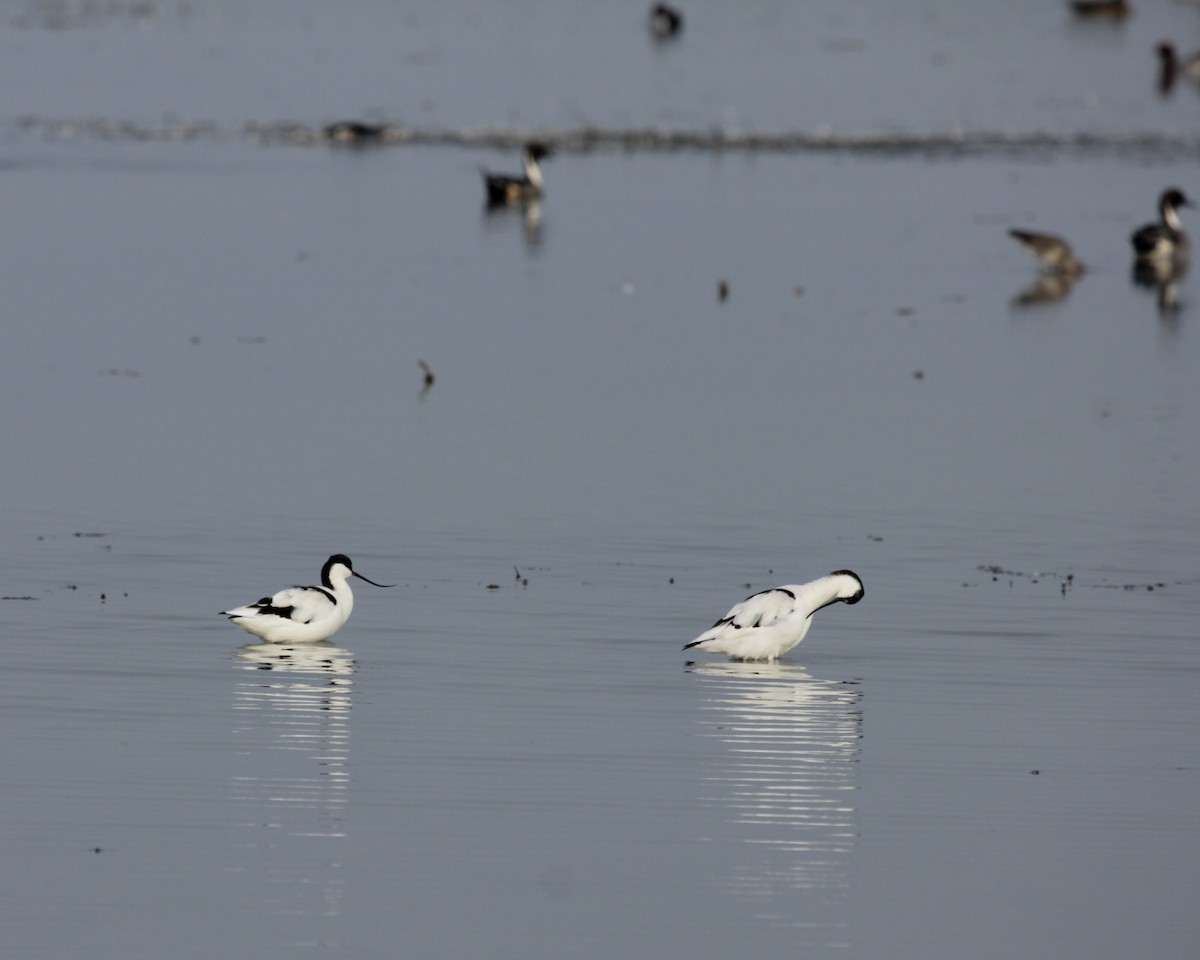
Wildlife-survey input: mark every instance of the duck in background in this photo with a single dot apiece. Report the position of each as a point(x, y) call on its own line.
point(1101, 9)
point(1171, 66)
point(1164, 242)
point(354, 132)
point(1060, 268)
point(665, 21)
point(507, 189)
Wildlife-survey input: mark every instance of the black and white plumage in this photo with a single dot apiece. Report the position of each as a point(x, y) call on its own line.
point(504, 189)
point(1165, 240)
point(1052, 252)
point(768, 624)
point(303, 614)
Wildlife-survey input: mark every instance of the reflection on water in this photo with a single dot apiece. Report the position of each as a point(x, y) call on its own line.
point(1163, 276)
point(292, 706)
point(530, 214)
point(1046, 288)
point(786, 780)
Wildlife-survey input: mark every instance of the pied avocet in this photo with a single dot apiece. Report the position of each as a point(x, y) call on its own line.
point(768, 624)
point(304, 614)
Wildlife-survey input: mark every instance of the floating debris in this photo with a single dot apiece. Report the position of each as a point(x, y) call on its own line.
point(1065, 581)
point(427, 378)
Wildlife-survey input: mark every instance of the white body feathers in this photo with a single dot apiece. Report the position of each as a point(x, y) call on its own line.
point(768, 624)
point(303, 614)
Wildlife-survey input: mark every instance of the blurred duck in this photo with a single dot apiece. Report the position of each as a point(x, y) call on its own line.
point(1165, 240)
point(1101, 9)
point(665, 21)
point(505, 189)
point(1171, 66)
point(353, 131)
point(1053, 253)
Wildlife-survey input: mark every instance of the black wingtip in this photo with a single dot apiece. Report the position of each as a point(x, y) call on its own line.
point(694, 643)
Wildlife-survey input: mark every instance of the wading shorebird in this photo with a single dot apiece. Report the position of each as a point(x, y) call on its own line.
point(303, 614)
point(768, 624)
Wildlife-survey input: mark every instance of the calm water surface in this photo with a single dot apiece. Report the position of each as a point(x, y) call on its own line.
point(211, 382)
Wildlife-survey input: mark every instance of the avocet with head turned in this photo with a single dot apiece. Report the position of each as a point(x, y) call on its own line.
point(304, 614)
point(768, 624)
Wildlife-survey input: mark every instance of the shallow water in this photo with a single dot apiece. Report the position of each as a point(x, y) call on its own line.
point(211, 382)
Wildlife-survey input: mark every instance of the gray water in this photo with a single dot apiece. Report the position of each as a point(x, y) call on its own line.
point(210, 382)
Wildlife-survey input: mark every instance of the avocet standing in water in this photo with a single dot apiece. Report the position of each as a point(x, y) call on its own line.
point(768, 624)
point(304, 614)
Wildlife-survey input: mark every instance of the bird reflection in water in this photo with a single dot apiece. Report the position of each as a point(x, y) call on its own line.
point(530, 215)
point(1045, 289)
point(1163, 277)
point(786, 779)
point(292, 733)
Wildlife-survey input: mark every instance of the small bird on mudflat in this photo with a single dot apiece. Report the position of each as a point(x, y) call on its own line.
point(303, 614)
point(768, 624)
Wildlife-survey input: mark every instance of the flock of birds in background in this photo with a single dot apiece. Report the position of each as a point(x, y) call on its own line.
point(1161, 253)
point(767, 624)
point(764, 626)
